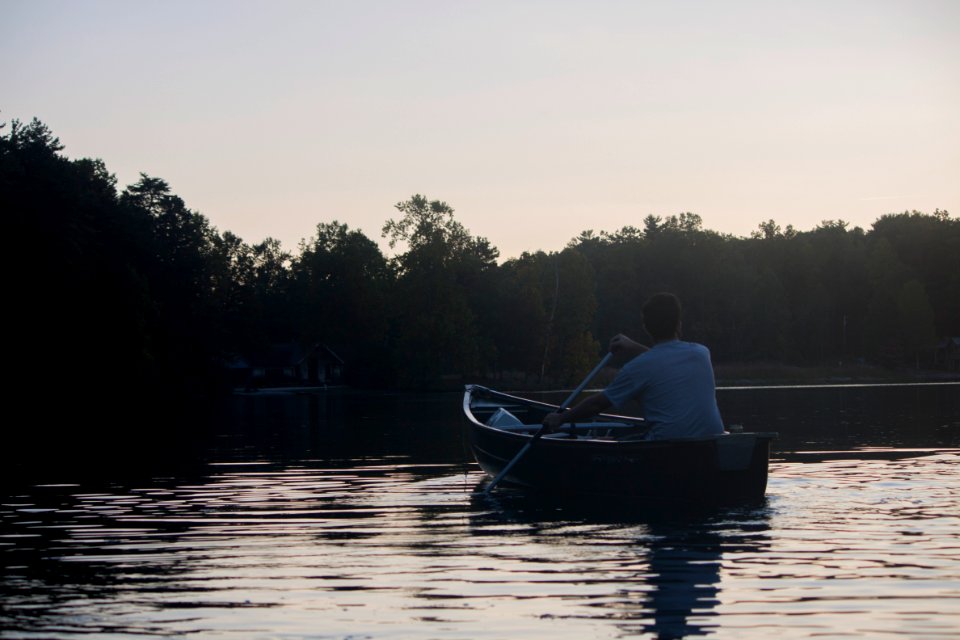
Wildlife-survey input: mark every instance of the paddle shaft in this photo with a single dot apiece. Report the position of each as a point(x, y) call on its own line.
point(542, 430)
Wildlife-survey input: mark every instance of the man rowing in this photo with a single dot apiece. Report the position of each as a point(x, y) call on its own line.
point(673, 380)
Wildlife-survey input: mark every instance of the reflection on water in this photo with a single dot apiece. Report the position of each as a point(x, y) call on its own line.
point(661, 568)
point(685, 575)
point(399, 542)
point(252, 549)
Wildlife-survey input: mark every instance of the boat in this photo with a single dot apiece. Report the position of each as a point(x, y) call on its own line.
point(609, 455)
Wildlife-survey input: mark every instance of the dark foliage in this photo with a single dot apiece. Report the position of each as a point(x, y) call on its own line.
point(129, 299)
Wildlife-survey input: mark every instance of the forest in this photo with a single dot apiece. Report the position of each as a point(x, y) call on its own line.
point(124, 296)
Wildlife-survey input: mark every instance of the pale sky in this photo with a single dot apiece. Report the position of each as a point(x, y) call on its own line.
point(534, 120)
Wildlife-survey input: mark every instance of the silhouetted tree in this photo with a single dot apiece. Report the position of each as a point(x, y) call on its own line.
point(435, 326)
point(341, 297)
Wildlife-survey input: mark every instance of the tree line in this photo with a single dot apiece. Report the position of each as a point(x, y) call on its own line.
point(130, 294)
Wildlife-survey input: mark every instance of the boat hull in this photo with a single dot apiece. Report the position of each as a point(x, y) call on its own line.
point(717, 470)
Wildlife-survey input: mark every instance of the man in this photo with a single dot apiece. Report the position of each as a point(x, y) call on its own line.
point(673, 380)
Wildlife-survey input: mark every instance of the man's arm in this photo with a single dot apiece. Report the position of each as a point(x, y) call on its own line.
point(587, 409)
point(625, 349)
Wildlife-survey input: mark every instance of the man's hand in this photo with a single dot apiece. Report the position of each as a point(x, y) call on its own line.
point(624, 349)
point(555, 420)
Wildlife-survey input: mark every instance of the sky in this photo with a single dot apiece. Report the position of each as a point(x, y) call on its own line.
point(534, 120)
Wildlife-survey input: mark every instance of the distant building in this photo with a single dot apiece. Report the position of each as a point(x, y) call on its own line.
point(289, 365)
point(947, 355)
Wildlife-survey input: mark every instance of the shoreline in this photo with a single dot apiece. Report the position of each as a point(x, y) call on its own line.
point(728, 376)
point(771, 374)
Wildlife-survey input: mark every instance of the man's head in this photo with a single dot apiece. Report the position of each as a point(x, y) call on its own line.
point(661, 316)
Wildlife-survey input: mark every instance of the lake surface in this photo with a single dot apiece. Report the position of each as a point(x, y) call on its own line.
point(351, 515)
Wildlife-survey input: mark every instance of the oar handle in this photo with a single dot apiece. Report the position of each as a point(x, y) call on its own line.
point(586, 381)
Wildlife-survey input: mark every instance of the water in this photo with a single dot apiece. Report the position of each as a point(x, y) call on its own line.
point(359, 516)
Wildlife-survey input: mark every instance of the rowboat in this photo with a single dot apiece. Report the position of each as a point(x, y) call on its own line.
point(609, 456)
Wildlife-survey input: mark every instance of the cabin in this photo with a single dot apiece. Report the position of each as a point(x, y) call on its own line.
point(290, 365)
point(947, 354)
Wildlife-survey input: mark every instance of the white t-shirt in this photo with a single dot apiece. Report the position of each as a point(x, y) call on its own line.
point(674, 384)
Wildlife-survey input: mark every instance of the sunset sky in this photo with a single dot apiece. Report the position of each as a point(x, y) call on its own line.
point(534, 120)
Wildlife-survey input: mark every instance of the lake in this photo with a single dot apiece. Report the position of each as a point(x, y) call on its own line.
point(358, 515)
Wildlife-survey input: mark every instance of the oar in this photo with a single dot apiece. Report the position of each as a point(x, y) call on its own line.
point(542, 430)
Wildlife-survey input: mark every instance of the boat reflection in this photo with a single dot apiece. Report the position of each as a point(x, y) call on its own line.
point(666, 579)
point(684, 573)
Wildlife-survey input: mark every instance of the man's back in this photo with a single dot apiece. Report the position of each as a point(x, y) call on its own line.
point(674, 383)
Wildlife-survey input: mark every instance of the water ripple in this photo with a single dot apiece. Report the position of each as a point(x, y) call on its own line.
point(845, 546)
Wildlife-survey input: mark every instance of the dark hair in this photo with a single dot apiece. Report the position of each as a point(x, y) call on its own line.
point(661, 316)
